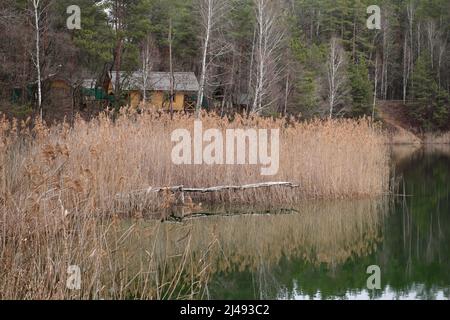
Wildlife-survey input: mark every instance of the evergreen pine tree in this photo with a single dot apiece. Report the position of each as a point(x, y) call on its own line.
point(429, 105)
point(361, 88)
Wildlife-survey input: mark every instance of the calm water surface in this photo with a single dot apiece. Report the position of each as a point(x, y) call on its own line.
point(322, 250)
point(410, 242)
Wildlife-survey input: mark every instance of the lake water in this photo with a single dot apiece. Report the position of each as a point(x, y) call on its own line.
point(323, 248)
point(408, 238)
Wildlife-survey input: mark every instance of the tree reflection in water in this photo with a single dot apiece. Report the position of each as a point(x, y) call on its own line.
point(320, 250)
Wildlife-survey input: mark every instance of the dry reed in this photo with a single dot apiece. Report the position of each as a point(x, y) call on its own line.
point(59, 187)
point(437, 138)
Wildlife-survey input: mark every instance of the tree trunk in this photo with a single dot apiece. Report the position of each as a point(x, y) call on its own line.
point(204, 58)
point(286, 95)
point(405, 68)
point(172, 78)
point(250, 78)
point(375, 89)
point(118, 67)
point(38, 57)
point(145, 62)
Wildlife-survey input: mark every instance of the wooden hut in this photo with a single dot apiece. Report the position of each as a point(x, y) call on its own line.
point(157, 89)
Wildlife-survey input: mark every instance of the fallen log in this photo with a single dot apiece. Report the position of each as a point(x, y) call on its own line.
point(243, 187)
point(183, 189)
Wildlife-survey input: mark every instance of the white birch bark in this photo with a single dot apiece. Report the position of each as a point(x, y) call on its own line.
point(37, 59)
point(335, 75)
point(149, 57)
point(375, 91)
point(267, 58)
point(212, 13)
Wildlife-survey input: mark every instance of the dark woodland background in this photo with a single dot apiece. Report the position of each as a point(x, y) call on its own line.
point(407, 60)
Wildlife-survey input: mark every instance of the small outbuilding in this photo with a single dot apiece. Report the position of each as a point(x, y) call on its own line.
point(157, 89)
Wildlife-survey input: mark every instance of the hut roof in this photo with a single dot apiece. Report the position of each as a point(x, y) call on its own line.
point(157, 81)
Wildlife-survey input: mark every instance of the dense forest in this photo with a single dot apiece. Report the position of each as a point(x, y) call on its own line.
point(308, 57)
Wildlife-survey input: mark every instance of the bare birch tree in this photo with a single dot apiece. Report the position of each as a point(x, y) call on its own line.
point(408, 62)
point(406, 66)
point(250, 77)
point(172, 76)
point(388, 41)
point(149, 57)
point(212, 13)
point(375, 89)
point(269, 40)
point(432, 38)
point(442, 49)
point(37, 11)
point(335, 75)
point(287, 89)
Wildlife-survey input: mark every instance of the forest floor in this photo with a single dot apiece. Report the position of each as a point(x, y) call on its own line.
point(394, 115)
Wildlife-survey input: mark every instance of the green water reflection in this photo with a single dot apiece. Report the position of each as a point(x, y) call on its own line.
point(321, 250)
point(410, 242)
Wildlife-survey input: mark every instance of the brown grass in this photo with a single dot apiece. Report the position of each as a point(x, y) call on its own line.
point(59, 187)
point(400, 136)
point(437, 138)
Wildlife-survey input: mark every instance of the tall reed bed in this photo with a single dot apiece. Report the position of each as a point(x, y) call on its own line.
point(87, 166)
point(59, 190)
point(437, 138)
